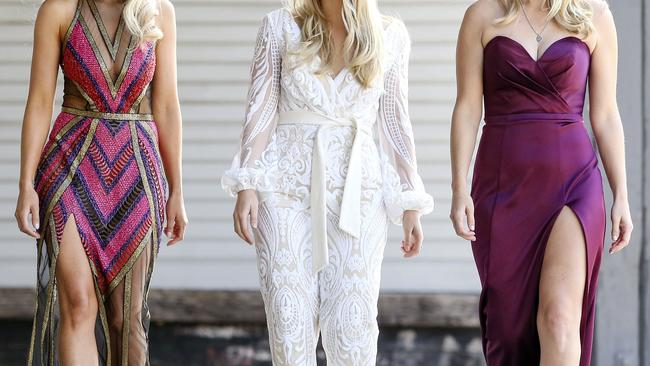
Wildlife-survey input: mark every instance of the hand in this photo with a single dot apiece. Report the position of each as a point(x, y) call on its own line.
point(621, 225)
point(462, 215)
point(28, 205)
point(176, 218)
point(413, 236)
point(246, 208)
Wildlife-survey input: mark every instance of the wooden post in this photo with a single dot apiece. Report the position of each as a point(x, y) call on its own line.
point(644, 226)
point(618, 327)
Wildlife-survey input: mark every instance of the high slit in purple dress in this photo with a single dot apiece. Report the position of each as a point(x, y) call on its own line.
point(535, 157)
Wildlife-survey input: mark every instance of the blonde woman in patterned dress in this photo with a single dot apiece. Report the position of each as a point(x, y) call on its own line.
point(95, 189)
point(311, 181)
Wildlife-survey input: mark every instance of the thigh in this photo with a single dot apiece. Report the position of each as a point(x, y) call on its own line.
point(289, 289)
point(74, 277)
point(564, 267)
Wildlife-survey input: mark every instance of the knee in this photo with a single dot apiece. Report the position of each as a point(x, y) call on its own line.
point(557, 323)
point(354, 319)
point(79, 310)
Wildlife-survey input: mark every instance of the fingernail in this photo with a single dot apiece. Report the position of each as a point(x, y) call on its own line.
point(471, 227)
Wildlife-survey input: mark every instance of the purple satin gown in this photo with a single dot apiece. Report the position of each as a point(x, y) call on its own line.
point(534, 158)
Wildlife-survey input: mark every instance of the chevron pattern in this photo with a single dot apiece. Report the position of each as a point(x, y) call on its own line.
point(105, 172)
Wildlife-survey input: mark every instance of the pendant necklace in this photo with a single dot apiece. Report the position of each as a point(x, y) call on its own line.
point(539, 37)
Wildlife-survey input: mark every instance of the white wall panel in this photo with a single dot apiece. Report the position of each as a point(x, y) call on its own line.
point(216, 39)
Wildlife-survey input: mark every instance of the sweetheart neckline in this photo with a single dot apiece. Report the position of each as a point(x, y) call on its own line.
point(553, 44)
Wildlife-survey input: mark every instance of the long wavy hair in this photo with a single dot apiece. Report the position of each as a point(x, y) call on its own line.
point(140, 19)
point(573, 15)
point(363, 44)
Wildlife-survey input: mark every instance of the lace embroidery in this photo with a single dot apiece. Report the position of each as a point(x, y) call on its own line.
point(263, 94)
point(276, 161)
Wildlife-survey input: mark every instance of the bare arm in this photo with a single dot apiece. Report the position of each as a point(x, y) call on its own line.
point(466, 118)
point(38, 111)
point(167, 113)
point(606, 123)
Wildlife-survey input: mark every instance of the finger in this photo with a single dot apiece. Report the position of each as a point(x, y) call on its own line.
point(461, 230)
point(25, 226)
point(618, 244)
point(470, 218)
point(35, 217)
point(243, 225)
point(456, 223)
point(616, 228)
point(179, 232)
point(624, 240)
point(169, 228)
point(407, 245)
point(254, 209)
point(416, 238)
point(237, 227)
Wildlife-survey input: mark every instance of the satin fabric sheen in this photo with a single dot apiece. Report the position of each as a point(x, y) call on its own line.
point(535, 157)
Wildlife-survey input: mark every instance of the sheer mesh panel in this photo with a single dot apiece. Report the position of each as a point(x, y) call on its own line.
point(112, 43)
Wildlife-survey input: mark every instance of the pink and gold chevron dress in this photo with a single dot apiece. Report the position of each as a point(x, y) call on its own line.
point(101, 166)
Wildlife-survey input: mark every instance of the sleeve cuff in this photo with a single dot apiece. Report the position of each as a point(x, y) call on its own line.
point(238, 179)
point(397, 203)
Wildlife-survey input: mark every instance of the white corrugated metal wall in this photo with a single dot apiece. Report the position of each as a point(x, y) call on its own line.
point(216, 38)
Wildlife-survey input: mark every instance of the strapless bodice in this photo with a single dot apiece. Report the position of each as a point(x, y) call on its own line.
point(514, 83)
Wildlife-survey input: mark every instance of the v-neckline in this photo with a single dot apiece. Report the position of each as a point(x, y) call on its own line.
point(336, 78)
point(113, 84)
point(114, 44)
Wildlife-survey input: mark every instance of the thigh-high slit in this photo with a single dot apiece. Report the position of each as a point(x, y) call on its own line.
point(518, 194)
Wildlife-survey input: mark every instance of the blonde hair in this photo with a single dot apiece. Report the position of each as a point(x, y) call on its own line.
point(363, 43)
point(573, 15)
point(140, 19)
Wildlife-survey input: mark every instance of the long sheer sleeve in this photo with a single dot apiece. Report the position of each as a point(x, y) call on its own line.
point(403, 186)
point(248, 169)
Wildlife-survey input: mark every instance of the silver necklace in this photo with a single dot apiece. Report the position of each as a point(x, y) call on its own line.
point(539, 37)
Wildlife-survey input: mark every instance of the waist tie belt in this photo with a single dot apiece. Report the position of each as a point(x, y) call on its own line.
point(350, 217)
point(107, 115)
point(520, 118)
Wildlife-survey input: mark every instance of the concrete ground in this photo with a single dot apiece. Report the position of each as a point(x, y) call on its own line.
point(205, 345)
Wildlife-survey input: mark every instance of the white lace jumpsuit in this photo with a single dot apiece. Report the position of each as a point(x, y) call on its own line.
point(326, 191)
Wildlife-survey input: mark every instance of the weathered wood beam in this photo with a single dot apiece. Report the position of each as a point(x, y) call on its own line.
point(246, 307)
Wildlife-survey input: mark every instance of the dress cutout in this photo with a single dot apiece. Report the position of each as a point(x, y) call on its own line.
point(102, 166)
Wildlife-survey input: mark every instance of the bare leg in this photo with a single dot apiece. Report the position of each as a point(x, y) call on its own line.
point(125, 315)
point(561, 292)
point(78, 302)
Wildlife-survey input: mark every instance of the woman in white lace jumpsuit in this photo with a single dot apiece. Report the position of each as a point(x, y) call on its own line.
point(326, 192)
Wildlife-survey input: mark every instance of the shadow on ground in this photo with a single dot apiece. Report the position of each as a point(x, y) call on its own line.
point(204, 345)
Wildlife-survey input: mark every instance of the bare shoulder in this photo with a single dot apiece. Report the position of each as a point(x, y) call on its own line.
point(166, 18)
point(167, 11)
point(56, 14)
point(483, 12)
point(602, 15)
point(480, 17)
point(599, 8)
point(58, 8)
point(479, 20)
point(166, 8)
point(603, 22)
